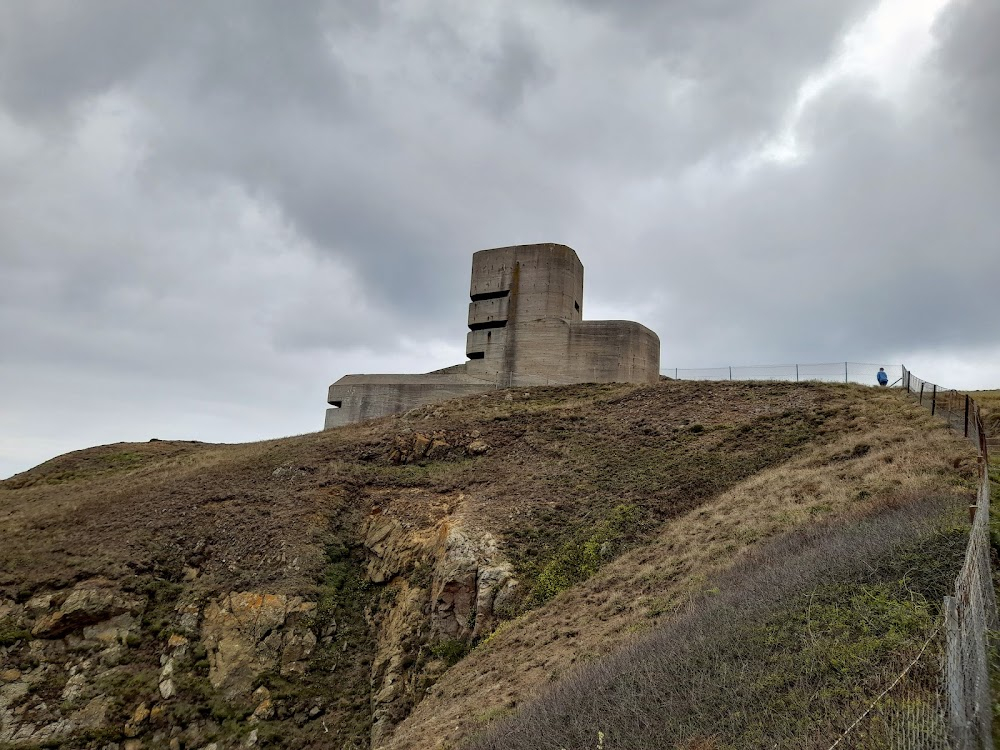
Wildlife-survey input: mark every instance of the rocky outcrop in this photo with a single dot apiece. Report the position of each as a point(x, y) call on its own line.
point(246, 633)
point(97, 658)
point(75, 653)
point(469, 577)
point(72, 640)
point(416, 446)
point(442, 585)
point(70, 659)
point(90, 603)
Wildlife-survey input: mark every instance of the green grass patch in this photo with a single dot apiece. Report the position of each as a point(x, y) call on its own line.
point(580, 558)
point(450, 651)
point(11, 632)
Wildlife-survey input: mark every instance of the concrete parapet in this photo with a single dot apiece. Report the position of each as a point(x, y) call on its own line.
point(355, 398)
point(613, 351)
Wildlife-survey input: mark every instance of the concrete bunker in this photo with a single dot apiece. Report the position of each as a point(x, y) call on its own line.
point(526, 328)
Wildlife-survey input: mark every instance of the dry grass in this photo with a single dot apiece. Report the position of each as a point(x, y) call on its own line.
point(793, 643)
point(707, 470)
point(989, 406)
point(909, 455)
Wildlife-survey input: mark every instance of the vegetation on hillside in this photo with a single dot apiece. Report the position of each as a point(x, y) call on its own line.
point(880, 449)
point(785, 651)
point(989, 406)
point(614, 505)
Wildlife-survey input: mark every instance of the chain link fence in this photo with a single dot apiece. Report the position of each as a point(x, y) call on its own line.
point(828, 372)
point(911, 713)
point(958, 409)
point(970, 616)
point(942, 699)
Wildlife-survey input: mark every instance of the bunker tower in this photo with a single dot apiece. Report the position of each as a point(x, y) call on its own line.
point(526, 328)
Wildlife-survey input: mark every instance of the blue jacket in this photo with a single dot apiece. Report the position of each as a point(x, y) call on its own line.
point(883, 378)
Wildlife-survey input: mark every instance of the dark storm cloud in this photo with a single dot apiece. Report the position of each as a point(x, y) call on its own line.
point(213, 207)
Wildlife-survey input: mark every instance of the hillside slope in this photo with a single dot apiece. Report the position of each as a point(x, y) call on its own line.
point(325, 590)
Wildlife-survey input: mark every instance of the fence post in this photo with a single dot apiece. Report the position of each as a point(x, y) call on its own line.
point(796, 373)
point(730, 372)
point(980, 433)
point(675, 374)
point(967, 415)
point(954, 676)
point(921, 393)
point(845, 372)
point(933, 398)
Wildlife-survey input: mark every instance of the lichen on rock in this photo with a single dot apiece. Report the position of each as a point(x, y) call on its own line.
point(247, 633)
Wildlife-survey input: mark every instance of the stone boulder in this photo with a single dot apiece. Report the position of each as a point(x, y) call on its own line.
point(247, 633)
point(89, 603)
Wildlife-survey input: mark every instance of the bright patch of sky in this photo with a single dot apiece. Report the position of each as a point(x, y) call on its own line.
point(884, 50)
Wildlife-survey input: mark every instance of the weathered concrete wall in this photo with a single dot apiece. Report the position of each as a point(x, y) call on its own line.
point(526, 327)
point(598, 351)
point(613, 351)
point(364, 397)
point(538, 282)
point(536, 333)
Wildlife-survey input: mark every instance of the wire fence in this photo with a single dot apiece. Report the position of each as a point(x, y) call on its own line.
point(911, 713)
point(942, 699)
point(829, 372)
point(971, 614)
point(958, 409)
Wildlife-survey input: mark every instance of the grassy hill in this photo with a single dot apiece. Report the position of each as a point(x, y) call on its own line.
point(418, 581)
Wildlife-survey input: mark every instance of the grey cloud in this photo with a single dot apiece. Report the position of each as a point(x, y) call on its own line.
point(739, 63)
point(882, 241)
point(968, 62)
point(58, 53)
point(235, 204)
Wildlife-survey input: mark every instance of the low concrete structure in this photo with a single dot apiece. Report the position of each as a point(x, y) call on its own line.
point(526, 328)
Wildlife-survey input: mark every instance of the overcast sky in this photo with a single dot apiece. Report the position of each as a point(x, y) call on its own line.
point(211, 210)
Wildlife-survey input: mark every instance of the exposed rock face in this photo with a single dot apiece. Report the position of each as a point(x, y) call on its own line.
point(247, 633)
point(76, 642)
point(468, 578)
point(442, 584)
point(414, 446)
point(439, 584)
point(91, 602)
point(77, 637)
point(417, 445)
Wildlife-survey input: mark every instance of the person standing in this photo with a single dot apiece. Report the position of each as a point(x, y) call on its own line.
point(882, 377)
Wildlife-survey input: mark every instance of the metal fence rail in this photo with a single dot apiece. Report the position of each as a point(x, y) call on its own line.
point(829, 372)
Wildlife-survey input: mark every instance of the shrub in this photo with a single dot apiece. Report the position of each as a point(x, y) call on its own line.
point(450, 651)
point(11, 632)
point(798, 638)
point(579, 559)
